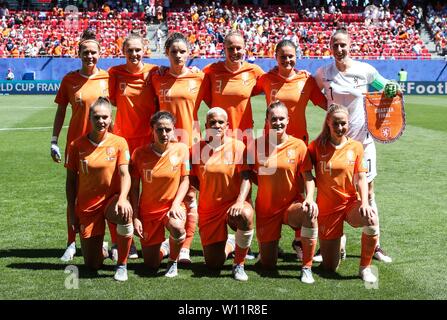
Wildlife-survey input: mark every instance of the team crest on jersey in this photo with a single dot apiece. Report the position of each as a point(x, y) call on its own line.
point(245, 78)
point(175, 161)
point(110, 151)
point(350, 156)
point(103, 85)
point(192, 84)
point(291, 155)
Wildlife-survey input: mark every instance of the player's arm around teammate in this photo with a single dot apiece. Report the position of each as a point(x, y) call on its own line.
point(280, 160)
point(223, 181)
point(94, 163)
point(340, 173)
point(162, 167)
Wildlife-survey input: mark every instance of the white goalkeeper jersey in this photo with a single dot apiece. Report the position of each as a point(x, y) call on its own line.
point(347, 88)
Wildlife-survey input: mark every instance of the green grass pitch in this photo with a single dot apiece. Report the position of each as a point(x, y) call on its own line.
point(410, 192)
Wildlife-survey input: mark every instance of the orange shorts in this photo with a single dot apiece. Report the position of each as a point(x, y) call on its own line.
point(94, 223)
point(330, 226)
point(268, 228)
point(213, 227)
point(134, 143)
point(153, 229)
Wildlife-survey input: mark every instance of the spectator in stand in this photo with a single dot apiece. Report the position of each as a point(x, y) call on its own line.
point(10, 75)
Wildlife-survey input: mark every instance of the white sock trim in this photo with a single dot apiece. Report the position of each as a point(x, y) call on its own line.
point(371, 230)
point(244, 238)
point(125, 230)
point(311, 233)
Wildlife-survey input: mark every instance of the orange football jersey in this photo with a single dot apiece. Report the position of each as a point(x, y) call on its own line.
point(232, 91)
point(335, 168)
point(295, 93)
point(81, 92)
point(160, 176)
point(181, 95)
point(218, 172)
point(134, 99)
point(278, 173)
point(97, 168)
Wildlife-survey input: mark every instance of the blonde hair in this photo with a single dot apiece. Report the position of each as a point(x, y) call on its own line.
point(326, 132)
point(274, 105)
point(217, 111)
point(233, 33)
point(133, 35)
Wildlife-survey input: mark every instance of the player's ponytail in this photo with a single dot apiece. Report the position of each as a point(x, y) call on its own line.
point(102, 101)
point(88, 35)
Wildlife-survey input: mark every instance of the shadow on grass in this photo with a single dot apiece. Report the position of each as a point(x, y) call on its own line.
point(325, 274)
point(84, 272)
point(34, 253)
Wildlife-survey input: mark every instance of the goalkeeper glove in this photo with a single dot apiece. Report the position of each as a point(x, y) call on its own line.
point(55, 152)
point(391, 89)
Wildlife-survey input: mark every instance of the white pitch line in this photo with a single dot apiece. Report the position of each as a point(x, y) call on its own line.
point(29, 128)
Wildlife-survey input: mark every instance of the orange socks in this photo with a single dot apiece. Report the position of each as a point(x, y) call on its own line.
point(124, 244)
point(113, 235)
point(368, 246)
point(190, 227)
point(174, 249)
point(309, 246)
point(239, 255)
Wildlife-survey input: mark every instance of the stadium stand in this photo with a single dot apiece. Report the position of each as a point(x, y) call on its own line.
point(377, 31)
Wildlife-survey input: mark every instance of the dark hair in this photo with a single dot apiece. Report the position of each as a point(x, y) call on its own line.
point(175, 37)
point(88, 35)
point(133, 35)
point(274, 105)
point(285, 43)
point(157, 116)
